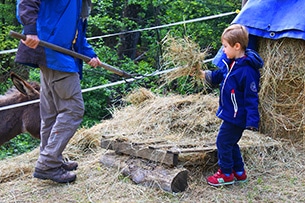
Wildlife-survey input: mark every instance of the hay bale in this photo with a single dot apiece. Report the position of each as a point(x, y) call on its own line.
point(282, 93)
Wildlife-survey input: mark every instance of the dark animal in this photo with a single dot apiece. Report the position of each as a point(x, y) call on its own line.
point(21, 119)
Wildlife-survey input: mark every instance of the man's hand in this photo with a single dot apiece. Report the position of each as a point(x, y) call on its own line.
point(31, 41)
point(94, 62)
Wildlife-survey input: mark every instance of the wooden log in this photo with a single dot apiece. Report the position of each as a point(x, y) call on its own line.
point(148, 174)
point(137, 150)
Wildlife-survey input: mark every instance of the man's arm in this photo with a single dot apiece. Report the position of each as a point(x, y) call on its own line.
point(28, 14)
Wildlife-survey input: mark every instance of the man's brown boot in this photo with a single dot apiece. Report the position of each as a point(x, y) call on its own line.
point(59, 175)
point(70, 165)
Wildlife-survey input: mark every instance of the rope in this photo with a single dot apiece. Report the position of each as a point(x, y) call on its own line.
point(150, 28)
point(99, 87)
point(167, 25)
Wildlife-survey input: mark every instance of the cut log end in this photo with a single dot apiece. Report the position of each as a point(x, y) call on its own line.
point(179, 183)
point(168, 179)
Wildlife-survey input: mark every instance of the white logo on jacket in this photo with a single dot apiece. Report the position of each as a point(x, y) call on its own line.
point(253, 87)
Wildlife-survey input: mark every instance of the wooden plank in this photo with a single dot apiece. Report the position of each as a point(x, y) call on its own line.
point(214, 148)
point(192, 150)
point(161, 156)
point(149, 142)
point(162, 146)
point(107, 136)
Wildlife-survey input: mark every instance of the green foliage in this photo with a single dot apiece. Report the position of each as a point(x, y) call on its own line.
point(18, 145)
point(34, 74)
point(7, 12)
point(97, 101)
point(7, 42)
point(8, 22)
point(5, 87)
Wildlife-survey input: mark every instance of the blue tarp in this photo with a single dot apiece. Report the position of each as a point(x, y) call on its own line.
point(274, 19)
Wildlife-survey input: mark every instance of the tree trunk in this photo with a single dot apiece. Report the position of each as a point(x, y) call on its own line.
point(129, 41)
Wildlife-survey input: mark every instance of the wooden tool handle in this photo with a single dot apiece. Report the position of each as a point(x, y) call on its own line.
point(72, 53)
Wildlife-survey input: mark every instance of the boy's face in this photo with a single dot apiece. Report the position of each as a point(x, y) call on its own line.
point(230, 51)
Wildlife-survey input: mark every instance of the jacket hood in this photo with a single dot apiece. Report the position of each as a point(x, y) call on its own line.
point(253, 59)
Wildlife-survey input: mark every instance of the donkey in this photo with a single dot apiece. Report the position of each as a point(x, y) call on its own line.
point(21, 119)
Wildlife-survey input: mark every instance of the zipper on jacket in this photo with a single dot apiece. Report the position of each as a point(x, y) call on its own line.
point(225, 80)
point(233, 99)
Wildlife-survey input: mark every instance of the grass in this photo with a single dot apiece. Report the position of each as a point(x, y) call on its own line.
point(18, 145)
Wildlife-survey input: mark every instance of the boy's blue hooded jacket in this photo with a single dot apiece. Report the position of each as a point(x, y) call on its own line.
point(239, 85)
point(59, 22)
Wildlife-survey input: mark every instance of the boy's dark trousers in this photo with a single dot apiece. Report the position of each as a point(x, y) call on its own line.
point(229, 156)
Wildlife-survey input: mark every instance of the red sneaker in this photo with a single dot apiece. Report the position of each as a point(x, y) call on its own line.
point(242, 178)
point(219, 179)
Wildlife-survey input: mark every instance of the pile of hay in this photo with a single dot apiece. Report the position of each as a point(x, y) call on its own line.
point(139, 95)
point(172, 118)
point(185, 57)
point(282, 94)
point(176, 119)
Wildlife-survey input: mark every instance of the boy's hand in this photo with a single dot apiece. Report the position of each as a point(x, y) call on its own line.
point(251, 128)
point(202, 74)
point(198, 73)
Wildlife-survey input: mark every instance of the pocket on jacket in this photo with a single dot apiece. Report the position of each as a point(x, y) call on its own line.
point(67, 87)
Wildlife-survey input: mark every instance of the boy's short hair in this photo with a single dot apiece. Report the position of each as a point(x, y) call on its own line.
point(236, 33)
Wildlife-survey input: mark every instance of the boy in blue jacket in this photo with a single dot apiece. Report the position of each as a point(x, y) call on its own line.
point(238, 76)
point(61, 104)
